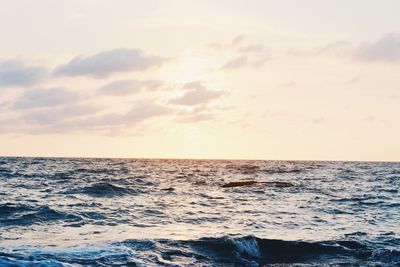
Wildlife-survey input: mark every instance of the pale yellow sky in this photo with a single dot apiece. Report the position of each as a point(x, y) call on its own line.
point(201, 79)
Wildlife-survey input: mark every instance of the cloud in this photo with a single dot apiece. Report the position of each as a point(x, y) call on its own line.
point(145, 110)
point(152, 85)
point(108, 62)
point(368, 119)
point(338, 48)
point(235, 63)
point(3, 105)
point(252, 55)
point(140, 112)
point(17, 73)
point(216, 46)
point(57, 115)
point(192, 118)
point(194, 85)
point(121, 87)
point(386, 49)
point(238, 39)
point(81, 118)
point(259, 62)
point(125, 87)
point(255, 48)
point(42, 97)
point(200, 113)
point(196, 93)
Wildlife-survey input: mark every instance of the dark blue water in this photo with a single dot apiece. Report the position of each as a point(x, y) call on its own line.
point(136, 212)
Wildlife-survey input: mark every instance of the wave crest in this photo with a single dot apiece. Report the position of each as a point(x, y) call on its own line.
point(103, 189)
point(27, 215)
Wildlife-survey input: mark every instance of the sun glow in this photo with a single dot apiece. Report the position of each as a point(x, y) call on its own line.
point(190, 68)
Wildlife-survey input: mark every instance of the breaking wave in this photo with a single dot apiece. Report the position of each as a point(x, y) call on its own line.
point(227, 250)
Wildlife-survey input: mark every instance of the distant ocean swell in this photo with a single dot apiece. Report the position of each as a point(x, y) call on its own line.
point(224, 251)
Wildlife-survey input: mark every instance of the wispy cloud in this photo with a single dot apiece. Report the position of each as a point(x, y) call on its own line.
point(215, 46)
point(57, 115)
point(45, 97)
point(106, 63)
point(126, 87)
point(253, 48)
point(139, 112)
point(337, 48)
point(121, 87)
point(385, 49)
point(196, 93)
point(235, 63)
point(195, 118)
point(244, 55)
point(81, 118)
point(238, 39)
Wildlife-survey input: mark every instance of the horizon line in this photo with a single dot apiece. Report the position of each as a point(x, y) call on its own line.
point(198, 159)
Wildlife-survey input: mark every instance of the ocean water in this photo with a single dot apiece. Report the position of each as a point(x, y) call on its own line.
point(139, 212)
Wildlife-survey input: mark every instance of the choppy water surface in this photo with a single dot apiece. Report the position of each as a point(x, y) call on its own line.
point(136, 212)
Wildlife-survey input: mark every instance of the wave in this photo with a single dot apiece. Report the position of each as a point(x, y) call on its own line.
point(106, 170)
point(103, 189)
point(22, 215)
point(253, 251)
point(245, 250)
point(251, 169)
point(222, 251)
point(282, 170)
point(7, 209)
point(82, 255)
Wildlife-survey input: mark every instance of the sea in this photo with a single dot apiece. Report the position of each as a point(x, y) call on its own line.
point(169, 212)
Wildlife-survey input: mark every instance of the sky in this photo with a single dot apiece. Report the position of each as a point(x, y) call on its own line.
point(284, 80)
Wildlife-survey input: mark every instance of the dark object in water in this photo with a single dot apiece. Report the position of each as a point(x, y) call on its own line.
point(248, 183)
point(168, 189)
